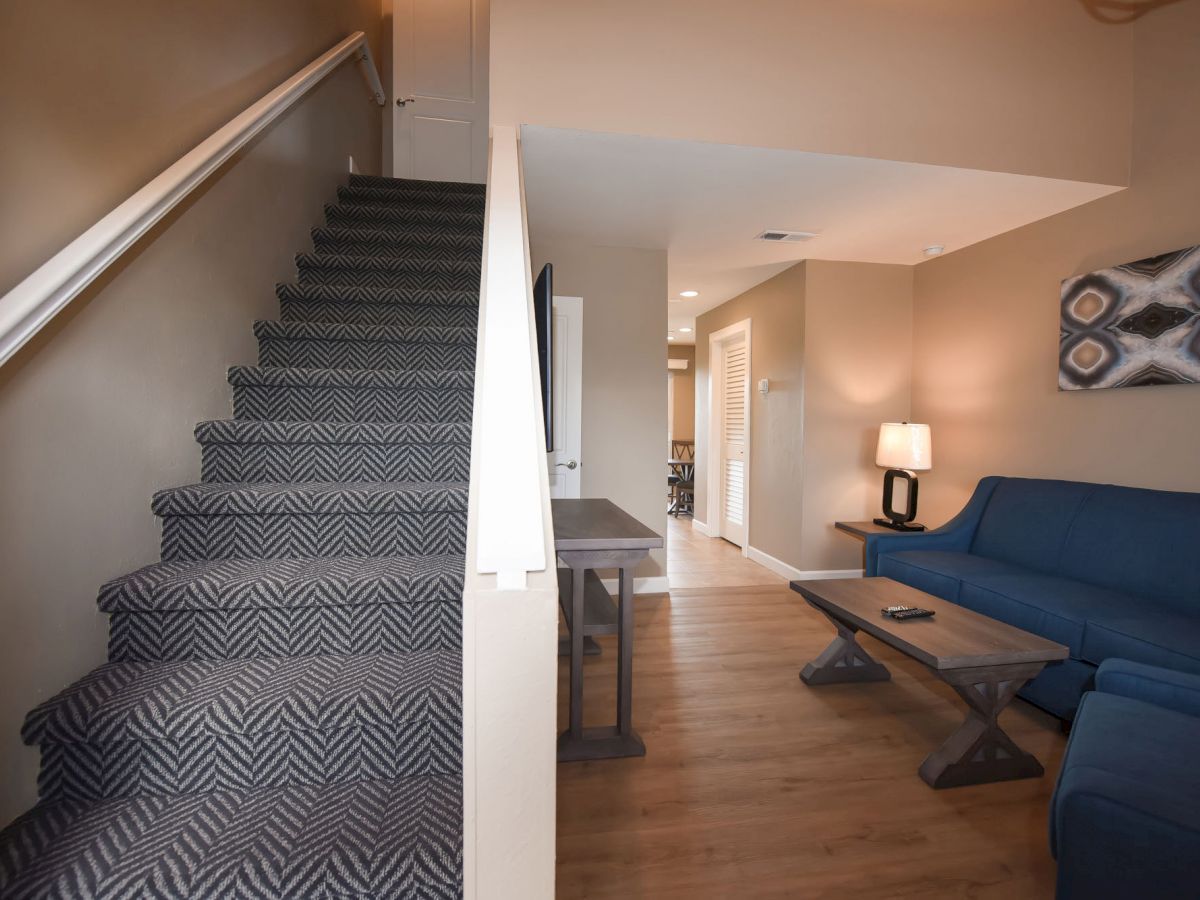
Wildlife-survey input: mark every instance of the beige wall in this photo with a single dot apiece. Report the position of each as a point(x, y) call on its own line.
point(1027, 86)
point(684, 413)
point(97, 412)
point(834, 340)
point(986, 318)
point(857, 373)
point(776, 311)
point(624, 384)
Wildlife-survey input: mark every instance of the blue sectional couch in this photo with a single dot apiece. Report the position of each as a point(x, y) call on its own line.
point(1125, 817)
point(1111, 572)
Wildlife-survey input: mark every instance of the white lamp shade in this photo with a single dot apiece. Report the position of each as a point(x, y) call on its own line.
point(903, 445)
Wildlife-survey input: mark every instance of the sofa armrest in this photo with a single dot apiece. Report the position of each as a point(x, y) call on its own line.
point(1167, 688)
point(956, 534)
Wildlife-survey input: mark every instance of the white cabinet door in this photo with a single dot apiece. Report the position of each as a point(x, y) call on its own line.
point(440, 71)
point(568, 398)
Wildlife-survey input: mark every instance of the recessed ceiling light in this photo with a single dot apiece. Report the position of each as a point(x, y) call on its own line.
point(670, 337)
point(689, 293)
point(934, 250)
point(686, 330)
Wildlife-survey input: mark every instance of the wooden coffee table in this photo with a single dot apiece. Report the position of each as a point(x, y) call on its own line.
point(985, 661)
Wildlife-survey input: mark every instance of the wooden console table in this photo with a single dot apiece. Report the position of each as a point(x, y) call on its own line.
point(590, 535)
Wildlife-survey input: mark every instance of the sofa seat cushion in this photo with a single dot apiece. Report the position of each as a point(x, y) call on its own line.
point(1131, 755)
point(1055, 608)
point(939, 572)
point(1155, 635)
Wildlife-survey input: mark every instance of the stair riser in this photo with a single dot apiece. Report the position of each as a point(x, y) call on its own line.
point(431, 745)
point(312, 536)
point(398, 242)
point(325, 354)
point(178, 635)
point(393, 314)
point(407, 198)
point(390, 278)
point(358, 216)
point(416, 184)
point(338, 404)
point(335, 462)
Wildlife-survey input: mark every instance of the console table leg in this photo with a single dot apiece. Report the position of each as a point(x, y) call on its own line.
point(844, 660)
point(625, 654)
point(577, 653)
point(980, 751)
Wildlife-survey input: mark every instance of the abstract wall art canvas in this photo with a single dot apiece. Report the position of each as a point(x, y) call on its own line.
point(1132, 325)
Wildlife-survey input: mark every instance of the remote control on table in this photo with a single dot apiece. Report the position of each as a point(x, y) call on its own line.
point(892, 610)
point(913, 613)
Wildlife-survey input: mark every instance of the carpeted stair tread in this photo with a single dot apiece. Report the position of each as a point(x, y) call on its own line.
point(398, 241)
point(395, 272)
point(309, 499)
point(148, 701)
point(450, 221)
point(253, 376)
point(409, 197)
point(378, 263)
point(380, 839)
point(379, 295)
point(250, 431)
point(330, 331)
point(286, 583)
point(440, 187)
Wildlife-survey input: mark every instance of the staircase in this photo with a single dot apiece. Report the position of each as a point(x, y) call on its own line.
point(281, 713)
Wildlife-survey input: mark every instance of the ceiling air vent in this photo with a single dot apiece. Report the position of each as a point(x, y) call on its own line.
point(779, 236)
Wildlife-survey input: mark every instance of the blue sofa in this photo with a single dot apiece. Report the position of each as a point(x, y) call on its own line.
point(1111, 572)
point(1125, 816)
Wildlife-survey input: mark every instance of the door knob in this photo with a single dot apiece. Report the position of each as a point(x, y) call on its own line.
point(571, 464)
point(405, 100)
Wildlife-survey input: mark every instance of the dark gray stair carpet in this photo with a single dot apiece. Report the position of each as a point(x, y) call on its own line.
point(323, 345)
point(414, 184)
point(234, 609)
point(250, 450)
point(351, 395)
point(281, 713)
point(396, 838)
point(358, 215)
point(206, 725)
point(395, 241)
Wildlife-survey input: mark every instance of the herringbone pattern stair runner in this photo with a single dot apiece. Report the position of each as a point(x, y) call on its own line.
point(281, 714)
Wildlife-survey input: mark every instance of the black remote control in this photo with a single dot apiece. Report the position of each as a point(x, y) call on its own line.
point(914, 613)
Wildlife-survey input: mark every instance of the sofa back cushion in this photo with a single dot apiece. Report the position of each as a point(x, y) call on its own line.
point(1026, 522)
point(1137, 541)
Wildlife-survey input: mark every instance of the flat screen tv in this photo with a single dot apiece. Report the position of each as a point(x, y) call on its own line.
point(543, 319)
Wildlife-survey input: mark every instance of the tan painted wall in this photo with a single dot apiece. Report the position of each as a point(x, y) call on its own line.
point(685, 392)
point(624, 383)
point(97, 412)
point(1028, 86)
point(776, 310)
point(986, 318)
point(834, 340)
point(857, 373)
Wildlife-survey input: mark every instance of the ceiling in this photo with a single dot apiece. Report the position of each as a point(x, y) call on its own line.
point(704, 203)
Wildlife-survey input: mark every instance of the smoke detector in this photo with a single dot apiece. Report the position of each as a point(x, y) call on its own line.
point(782, 236)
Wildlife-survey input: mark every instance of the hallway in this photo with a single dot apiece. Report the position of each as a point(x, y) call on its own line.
point(695, 560)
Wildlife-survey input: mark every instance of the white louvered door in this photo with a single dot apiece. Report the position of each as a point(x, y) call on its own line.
point(735, 375)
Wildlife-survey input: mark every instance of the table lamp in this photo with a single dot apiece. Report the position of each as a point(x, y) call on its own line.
point(904, 449)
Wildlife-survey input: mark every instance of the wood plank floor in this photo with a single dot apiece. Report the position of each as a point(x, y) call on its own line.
point(755, 785)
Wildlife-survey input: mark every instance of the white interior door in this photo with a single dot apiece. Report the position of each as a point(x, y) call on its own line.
point(735, 420)
point(568, 398)
point(440, 86)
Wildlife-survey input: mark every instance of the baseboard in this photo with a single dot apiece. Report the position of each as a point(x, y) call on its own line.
point(779, 567)
point(655, 584)
point(699, 526)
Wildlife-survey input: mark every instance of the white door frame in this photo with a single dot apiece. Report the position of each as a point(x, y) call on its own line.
point(716, 378)
point(568, 414)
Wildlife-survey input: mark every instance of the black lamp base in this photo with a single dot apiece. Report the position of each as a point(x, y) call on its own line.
point(899, 521)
